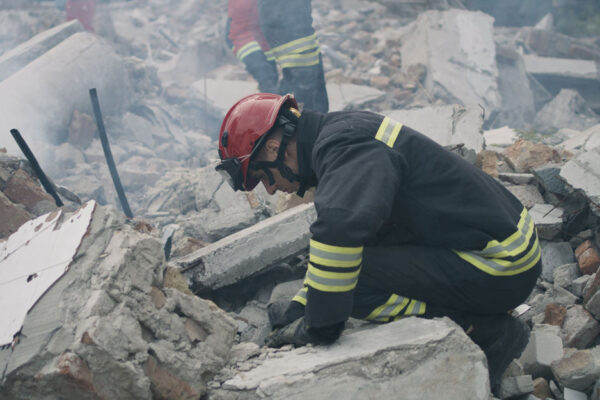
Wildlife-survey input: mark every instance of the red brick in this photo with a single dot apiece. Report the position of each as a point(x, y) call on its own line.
point(583, 247)
point(12, 216)
point(554, 314)
point(167, 385)
point(23, 189)
point(589, 261)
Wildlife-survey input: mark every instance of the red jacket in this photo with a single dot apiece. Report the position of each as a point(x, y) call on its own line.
point(83, 10)
point(245, 27)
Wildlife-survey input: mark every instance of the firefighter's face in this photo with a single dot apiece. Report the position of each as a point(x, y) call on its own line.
point(269, 153)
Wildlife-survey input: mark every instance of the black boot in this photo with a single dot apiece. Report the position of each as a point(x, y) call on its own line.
point(502, 338)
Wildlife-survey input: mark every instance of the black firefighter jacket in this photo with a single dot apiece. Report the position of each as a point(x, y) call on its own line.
point(379, 179)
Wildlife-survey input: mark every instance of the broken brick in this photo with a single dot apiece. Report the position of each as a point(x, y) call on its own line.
point(13, 216)
point(589, 261)
point(554, 314)
point(23, 189)
point(583, 247)
point(167, 385)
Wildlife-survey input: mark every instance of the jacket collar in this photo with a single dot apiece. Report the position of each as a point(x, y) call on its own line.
point(307, 131)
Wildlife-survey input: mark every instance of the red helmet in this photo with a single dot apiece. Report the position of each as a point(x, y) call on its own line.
point(242, 131)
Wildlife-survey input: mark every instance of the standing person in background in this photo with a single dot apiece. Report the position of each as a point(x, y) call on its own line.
point(287, 26)
point(249, 44)
point(82, 10)
point(263, 32)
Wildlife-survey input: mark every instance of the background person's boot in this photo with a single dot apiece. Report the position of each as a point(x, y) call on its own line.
point(502, 338)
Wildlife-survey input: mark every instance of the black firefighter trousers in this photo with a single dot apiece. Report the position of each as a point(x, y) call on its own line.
point(448, 285)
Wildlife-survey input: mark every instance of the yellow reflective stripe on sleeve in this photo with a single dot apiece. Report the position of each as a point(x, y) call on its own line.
point(295, 46)
point(389, 309)
point(248, 49)
point(335, 259)
point(300, 297)
point(335, 256)
point(299, 60)
point(500, 267)
point(327, 281)
point(388, 131)
point(515, 243)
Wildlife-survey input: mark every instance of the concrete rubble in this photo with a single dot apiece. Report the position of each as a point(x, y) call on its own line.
point(172, 304)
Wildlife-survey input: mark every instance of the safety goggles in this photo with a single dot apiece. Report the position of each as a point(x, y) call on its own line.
point(231, 171)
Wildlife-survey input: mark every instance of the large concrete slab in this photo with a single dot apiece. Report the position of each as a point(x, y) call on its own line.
point(409, 359)
point(458, 49)
point(583, 173)
point(452, 124)
point(39, 99)
point(249, 251)
point(223, 94)
point(15, 59)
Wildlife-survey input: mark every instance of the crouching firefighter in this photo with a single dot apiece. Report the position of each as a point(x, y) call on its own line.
point(404, 227)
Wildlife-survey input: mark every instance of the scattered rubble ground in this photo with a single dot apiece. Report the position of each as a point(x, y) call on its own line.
point(172, 303)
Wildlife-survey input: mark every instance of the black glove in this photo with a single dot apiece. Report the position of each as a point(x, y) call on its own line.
point(295, 333)
point(299, 334)
point(282, 313)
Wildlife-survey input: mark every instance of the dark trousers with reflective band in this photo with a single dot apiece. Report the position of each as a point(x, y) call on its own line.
point(393, 276)
point(287, 27)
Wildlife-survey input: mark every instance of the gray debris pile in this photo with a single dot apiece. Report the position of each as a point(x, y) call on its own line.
point(116, 325)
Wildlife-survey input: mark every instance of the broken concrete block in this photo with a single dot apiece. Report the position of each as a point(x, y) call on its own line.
point(558, 73)
point(548, 177)
point(571, 394)
point(518, 105)
point(515, 386)
point(544, 347)
point(526, 156)
point(447, 125)
point(583, 174)
point(40, 98)
point(555, 254)
point(516, 178)
point(253, 323)
point(528, 195)
point(437, 38)
point(567, 109)
point(565, 275)
point(578, 285)
point(548, 220)
point(580, 141)
point(247, 252)
point(416, 357)
point(592, 303)
point(579, 328)
point(15, 59)
point(578, 370)
point(97, 332)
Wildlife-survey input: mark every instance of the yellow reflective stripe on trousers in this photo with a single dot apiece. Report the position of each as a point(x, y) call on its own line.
point(415, 308)
point(335, 256)
point(299, 60)
point(327, 281)
point(388, 131)
point(300, 297)
point(389, 309)
point(500, 267)
point(248, 49)
point(514, 244)
point(295, 46)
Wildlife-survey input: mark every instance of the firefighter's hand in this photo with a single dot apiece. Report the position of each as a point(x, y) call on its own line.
point(295, 333)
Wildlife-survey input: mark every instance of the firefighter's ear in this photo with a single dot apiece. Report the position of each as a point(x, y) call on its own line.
point(271, 148)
